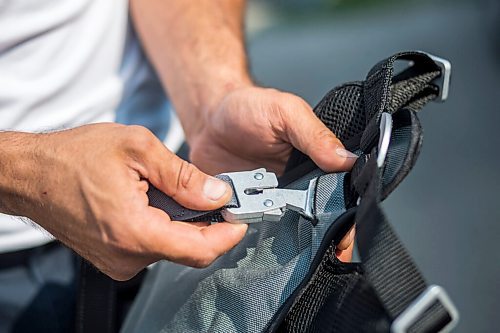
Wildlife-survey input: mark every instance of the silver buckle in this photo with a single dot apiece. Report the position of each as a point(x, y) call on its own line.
point(259, 199)
point(417, 308)
point(442, 81)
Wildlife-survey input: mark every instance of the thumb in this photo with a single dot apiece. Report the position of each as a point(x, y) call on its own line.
point(184, 182)
point(314, 139)
point(188, 243)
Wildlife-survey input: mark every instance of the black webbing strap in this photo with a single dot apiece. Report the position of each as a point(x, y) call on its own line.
point(96, 305)
point(387, 266)
point(177, 212)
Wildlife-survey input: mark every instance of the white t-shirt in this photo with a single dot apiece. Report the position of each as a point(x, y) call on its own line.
point(65, 63)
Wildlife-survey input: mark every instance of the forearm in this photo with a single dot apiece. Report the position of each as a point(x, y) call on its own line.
point(197, 48)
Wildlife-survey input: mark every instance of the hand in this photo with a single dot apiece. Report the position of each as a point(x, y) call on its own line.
point(252, 127)
point(88, 188)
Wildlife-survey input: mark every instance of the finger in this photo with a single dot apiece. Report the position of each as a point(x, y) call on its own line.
point(193, 245)
point(200, 224)
point(345, 255)
point(348, 239)
point(345, 248)
point(182, 181)
point(308, 134)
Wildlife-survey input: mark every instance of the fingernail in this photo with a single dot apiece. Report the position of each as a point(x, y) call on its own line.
point(345, 153)
point(214, 189)
point(240, 227)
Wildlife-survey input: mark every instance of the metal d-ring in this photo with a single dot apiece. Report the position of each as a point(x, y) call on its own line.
point(384, 138)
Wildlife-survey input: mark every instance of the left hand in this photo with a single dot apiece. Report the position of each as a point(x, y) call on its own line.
point(252, 127)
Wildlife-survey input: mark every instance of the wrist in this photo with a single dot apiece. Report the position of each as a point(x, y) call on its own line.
point(210, 99)
point(18, 169)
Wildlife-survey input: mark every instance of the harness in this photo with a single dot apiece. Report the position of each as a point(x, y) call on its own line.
point(284, 276)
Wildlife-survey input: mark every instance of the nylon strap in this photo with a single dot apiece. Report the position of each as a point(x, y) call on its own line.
point(96, 305)
point(177, 212)
point(387, 265)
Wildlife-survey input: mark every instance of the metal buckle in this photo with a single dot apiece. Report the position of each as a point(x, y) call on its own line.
point(423, 302)
point(260, 200)
point(442, 81)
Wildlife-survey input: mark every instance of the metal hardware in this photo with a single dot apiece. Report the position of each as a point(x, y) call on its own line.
point(259, 199)
point(384, 137)
point(258, 176)
point(418, 307)
point(443, 81)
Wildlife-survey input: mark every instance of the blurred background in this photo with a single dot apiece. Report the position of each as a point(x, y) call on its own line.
point(447, 212)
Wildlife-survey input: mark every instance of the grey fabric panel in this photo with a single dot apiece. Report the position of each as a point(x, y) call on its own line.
point(242, 290)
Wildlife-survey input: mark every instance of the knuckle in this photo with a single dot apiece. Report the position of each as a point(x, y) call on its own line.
point(139, 137)
point(184, 176)
point(325, 134)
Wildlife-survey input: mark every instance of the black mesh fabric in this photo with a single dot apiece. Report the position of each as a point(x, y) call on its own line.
point(341, 110)
point(357, 310)
point(331, 278)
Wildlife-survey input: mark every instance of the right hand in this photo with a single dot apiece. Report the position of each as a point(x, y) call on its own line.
point(88, 189)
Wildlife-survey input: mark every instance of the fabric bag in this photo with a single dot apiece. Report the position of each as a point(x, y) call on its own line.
point(284, 276)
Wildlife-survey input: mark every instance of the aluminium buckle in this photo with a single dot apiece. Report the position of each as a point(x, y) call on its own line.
point(443, 80)
point(422, 303)
point(259, 199)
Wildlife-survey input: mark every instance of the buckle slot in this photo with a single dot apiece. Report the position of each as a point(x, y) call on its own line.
point(442, 81)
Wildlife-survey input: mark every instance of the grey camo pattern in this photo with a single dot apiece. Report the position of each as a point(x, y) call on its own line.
point(243, 289)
